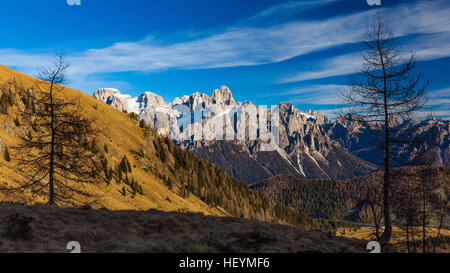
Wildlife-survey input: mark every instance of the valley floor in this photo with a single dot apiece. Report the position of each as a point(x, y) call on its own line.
point(49, 229)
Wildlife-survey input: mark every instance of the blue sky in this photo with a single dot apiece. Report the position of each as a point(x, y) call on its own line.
point(266, 51)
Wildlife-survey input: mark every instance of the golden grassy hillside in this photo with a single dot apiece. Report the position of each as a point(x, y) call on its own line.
point(122, 136)
point(171, 178)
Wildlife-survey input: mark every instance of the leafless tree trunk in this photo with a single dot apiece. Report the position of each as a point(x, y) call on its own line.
point(372, 199)
point(382, 93)
point(413, 239)
point(424, 216)
point(407, 236)
point(377, 216)
point(441, 222)
point(58, 150)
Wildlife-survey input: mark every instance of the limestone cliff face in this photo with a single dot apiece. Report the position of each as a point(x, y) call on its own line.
point(113, 97)
point(104, 93)
point(149, 100)
point(223, 96)
point(302, 131)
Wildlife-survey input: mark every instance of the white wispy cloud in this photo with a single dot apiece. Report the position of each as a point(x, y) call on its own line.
point(439, 101)
point(440, 93)
point(243, 46)
point(236, 46)
point(426, 48)
point(27, 62)
point(248, 46)
point(317, 94)
point(287, 9)
point(335, 66)
point(73, 2)
point(425, 17)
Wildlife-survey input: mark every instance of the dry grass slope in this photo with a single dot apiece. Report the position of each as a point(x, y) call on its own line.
point(48, 229)
point(123, 135)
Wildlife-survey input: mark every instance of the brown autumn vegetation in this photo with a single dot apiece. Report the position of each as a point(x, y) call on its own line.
point(46, 229)
point(420, 204)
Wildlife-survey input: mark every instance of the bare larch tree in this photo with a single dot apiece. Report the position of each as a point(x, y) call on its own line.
point(385, 92)
point(59, 151)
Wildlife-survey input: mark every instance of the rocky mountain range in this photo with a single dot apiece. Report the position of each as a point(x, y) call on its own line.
point(251, 143)
point(430, 140)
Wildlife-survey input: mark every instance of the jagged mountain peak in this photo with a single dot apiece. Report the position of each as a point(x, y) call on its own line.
point(308, 115)
point(197, 101)
point(149, 98)
point(105, 93)
point(223, 95)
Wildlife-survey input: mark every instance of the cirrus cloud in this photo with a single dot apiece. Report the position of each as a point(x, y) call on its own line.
point(242, 45)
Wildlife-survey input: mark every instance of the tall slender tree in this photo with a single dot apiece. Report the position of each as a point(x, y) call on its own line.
point(58, 152)
point(384, 92)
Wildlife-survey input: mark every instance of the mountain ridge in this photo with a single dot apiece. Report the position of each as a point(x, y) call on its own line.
point(302, 146)
point(431, 147)
point(310, 145)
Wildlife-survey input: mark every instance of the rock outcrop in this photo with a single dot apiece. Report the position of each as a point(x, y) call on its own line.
point(223, 96)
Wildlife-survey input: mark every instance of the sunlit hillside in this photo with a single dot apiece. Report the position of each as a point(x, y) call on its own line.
point(157, 174)
point(122, 136)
